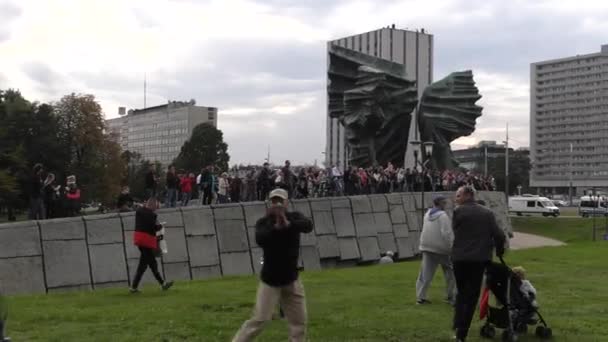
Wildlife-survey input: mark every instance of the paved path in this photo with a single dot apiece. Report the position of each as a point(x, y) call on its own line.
point(523, 241)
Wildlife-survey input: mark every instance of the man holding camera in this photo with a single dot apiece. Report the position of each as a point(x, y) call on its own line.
point(278, 234)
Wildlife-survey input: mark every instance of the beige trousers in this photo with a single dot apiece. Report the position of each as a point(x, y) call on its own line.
point(293, 302)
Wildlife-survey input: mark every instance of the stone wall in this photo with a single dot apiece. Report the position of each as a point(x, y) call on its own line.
point(206, 242)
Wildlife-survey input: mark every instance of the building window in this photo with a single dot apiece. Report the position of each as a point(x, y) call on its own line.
point(211, 116)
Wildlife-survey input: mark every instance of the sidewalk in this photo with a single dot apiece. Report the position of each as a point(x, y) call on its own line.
point(523, 241)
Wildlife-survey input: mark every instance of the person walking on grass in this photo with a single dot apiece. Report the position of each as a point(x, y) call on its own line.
point(436, 246)
point(144, 237)
point(278, 234)
point(476, 234)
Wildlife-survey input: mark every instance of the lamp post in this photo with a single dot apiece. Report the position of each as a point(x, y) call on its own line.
point(427, 151)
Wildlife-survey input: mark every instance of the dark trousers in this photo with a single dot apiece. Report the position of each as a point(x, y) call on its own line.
point(207, 195)
point(37, 210)
point(146, 259)
point(264, 191)
point(469, 275)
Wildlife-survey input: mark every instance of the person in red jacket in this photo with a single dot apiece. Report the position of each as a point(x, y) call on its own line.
point(185, 184)
point(144, 237)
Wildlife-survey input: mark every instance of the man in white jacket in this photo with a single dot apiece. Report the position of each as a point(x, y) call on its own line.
point(436, 245)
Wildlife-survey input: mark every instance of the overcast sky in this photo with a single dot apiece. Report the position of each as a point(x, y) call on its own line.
point(263, 63)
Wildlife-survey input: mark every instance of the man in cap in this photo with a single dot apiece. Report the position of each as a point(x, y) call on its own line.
point(476, 235)
point(436, 246)
point(278, 234)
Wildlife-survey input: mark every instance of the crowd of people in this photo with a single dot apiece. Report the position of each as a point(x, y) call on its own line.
point(254, 184)
point(49, 198)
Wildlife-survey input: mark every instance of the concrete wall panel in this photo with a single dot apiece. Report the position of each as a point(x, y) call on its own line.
point(360, 204)
point(349, 249)
point(328, 246)
point(232, 236)
point(71, 228)
point(254, 212)
point(228, 212)
point(369, 248)
point(237, 263)
point(19, 240)
point(343, 220)
point(21, 276)
point(324, 223)
point(203, 251)
point(171, 216)
point(198, 221)
point(379, 203)
point(176, 245)
point(383, 224)
point(177, 271)
point(206, 272)
point(386, 242)
point(310, 258)
point(365, 225)
point(66, 263)
point(108, 230)
point(108, 263)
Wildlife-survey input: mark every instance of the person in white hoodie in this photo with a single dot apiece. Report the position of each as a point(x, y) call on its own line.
point(436, 245)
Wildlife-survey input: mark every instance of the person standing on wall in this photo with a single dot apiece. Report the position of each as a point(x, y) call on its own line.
point(151, 183)
point(436, 246)
point(144, 237)
point(172, 183)
point(185, 185)
point(476, 234)
point(264, 182)
point(278, 234)
point(37, 211)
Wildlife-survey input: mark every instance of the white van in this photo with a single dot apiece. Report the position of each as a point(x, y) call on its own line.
point(593, 205)
point(532, 205)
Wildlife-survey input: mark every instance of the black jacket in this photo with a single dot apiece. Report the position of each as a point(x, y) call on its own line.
point(145, 221)
point(150, 180)
point(281, 248)
point(476, 233)
point(172, 181)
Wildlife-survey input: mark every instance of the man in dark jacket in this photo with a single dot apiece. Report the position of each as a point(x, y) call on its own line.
point(264, 182)
point(37, 210)
point(476, 234)
point(144, 237)
point(172, 183)
point(151, 183)
point(278, 233)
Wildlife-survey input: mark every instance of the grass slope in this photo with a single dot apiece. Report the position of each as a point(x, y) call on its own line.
point(374, 303)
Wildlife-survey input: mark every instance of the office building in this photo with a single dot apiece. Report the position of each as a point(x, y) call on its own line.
point(159, 132)
point(569, 123)
point(413, 49)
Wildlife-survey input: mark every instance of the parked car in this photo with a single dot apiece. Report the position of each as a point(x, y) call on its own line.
point(532, 205)
point(560, 203)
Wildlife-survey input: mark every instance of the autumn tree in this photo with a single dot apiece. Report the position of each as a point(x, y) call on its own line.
point(93, 155)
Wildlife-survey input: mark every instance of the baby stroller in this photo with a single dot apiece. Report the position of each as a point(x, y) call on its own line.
point(516, 313)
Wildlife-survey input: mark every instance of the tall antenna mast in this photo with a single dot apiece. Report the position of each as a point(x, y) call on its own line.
point(145, 90)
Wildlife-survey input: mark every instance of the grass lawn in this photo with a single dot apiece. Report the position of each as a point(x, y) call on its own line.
point(374, 303)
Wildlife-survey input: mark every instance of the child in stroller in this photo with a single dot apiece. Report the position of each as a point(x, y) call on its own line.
point(517, 309)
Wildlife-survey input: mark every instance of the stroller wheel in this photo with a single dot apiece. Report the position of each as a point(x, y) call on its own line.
point(488, 331)
point(509, 336)
point(544, 332)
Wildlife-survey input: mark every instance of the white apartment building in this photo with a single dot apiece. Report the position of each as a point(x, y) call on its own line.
point(413, 49)
point(569, 123)
point(159, 132)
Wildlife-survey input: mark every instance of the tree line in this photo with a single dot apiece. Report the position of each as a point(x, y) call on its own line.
point(69, 137)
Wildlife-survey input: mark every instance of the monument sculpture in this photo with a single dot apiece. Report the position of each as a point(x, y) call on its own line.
point(373, 99)
point(447, 112)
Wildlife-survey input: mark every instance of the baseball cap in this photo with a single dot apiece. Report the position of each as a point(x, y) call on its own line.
point(439, 198)
point(280, 193)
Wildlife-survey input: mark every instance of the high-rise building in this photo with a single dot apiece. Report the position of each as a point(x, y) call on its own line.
point(159, 132)
point(569, 122)
point(413, 49)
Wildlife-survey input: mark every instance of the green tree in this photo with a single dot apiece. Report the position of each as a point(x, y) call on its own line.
point(519, 171)
point(28, 135)
point(205, 147)
point(137, 168)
